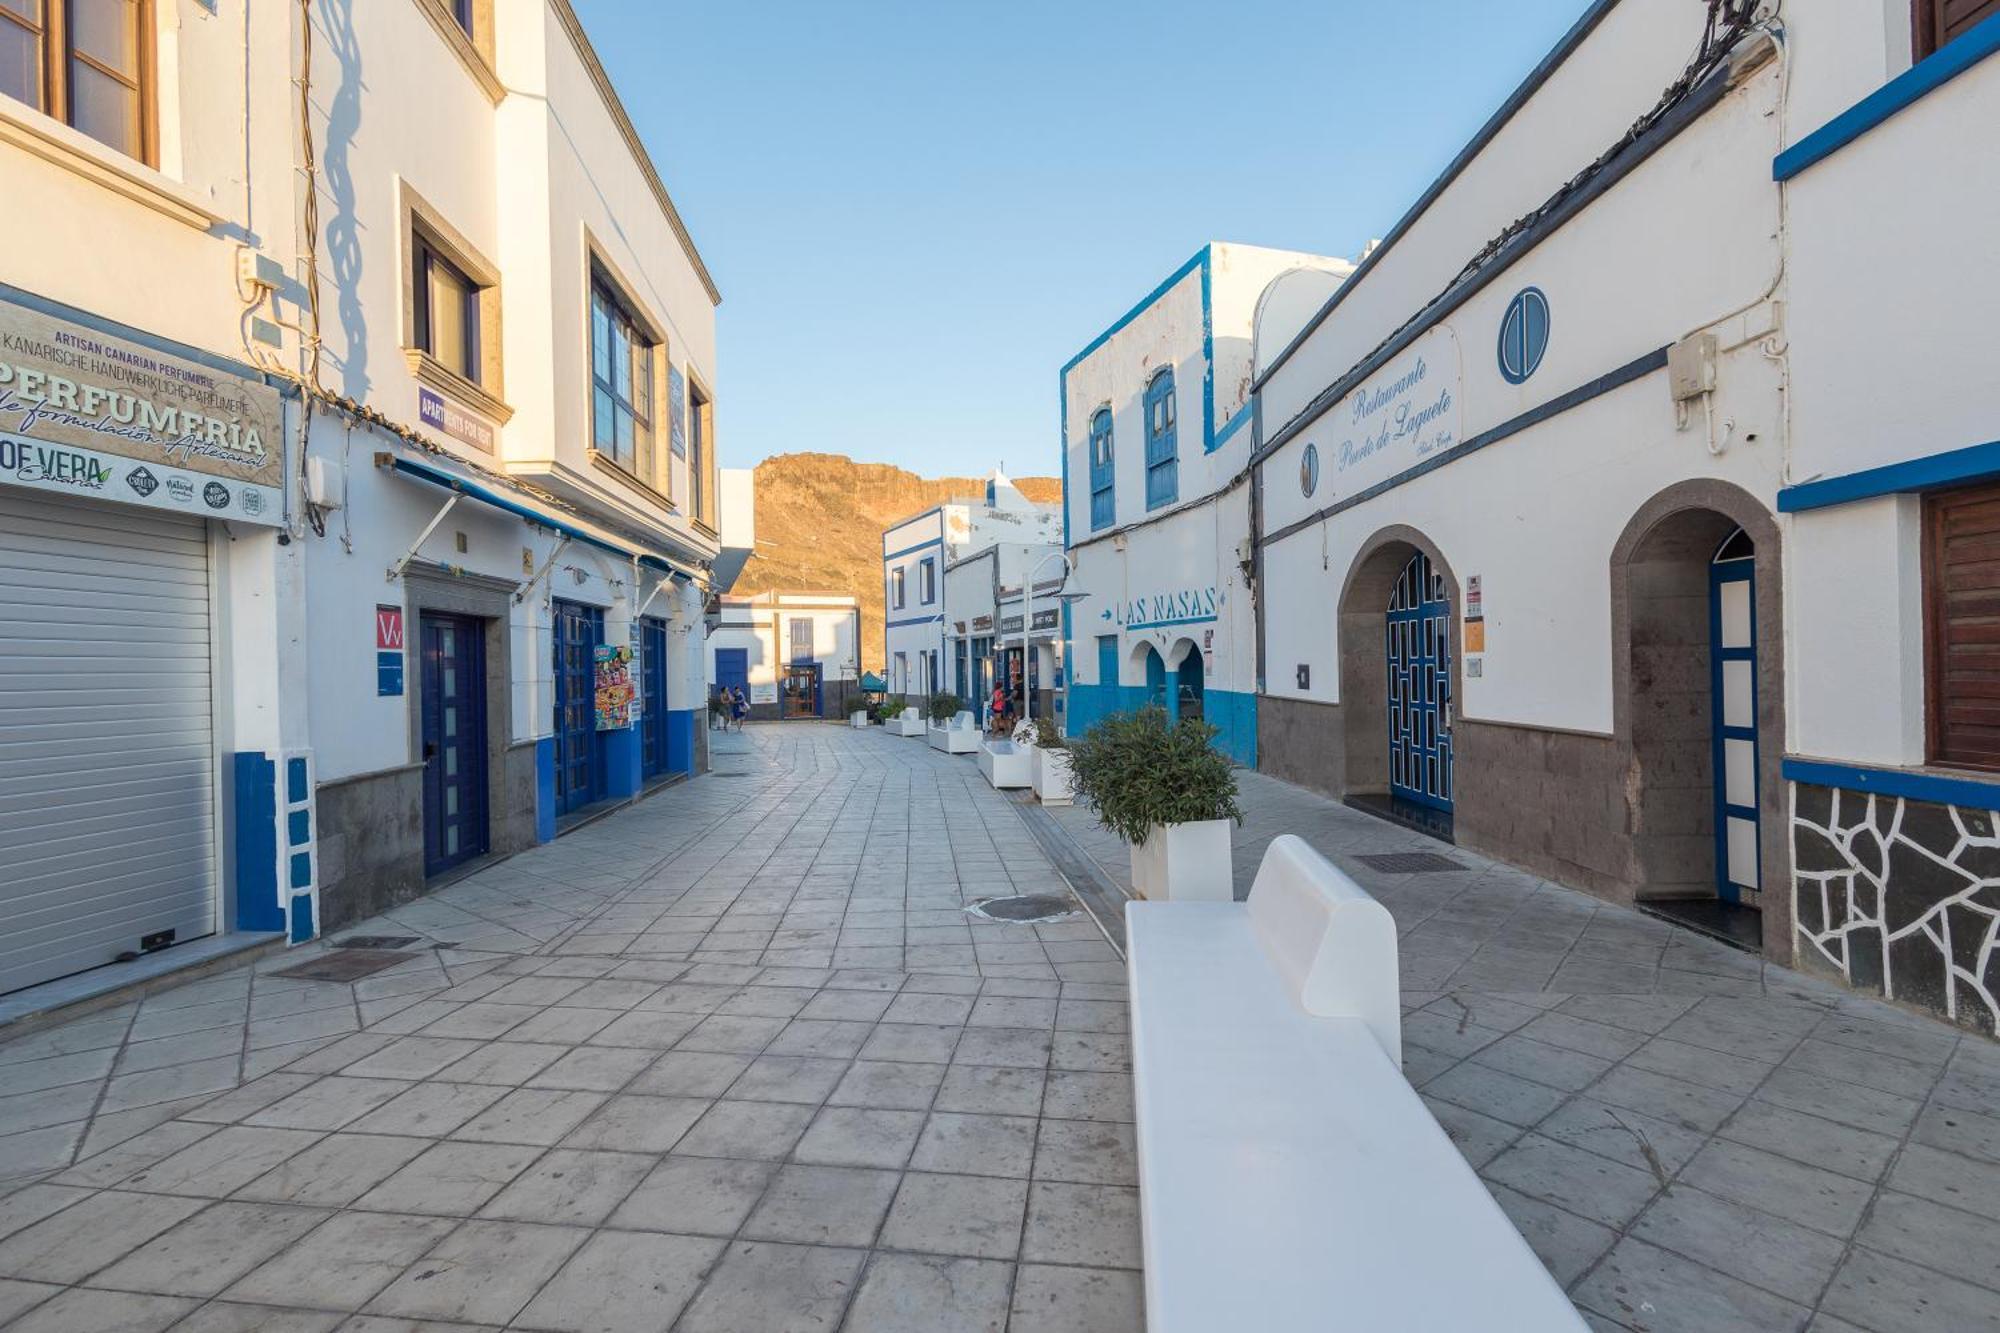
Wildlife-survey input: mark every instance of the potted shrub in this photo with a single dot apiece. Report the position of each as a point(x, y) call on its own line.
point(944, 706)
point(1169, 794)
point(1053, 784)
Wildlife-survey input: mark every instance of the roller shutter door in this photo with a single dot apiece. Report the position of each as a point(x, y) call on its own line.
point(107, 790)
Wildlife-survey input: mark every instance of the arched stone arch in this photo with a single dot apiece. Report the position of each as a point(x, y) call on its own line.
point(1364, 672)
point(1663, 703)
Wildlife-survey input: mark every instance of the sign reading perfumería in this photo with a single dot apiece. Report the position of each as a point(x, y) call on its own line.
point(87, 414)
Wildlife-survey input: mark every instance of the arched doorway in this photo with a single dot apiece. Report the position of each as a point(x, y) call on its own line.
point(1398, 647)
point(1156, 679)
point(1418, 639)
point(1187, 680)
point(1699, 713)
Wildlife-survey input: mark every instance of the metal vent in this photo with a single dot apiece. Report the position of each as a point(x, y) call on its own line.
point(1034, 908)
point(374, 942)
point(1409, 863)
point(343, 965)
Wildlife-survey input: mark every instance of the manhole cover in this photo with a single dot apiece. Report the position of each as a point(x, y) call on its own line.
point(345, 965)
point(1409, 863)
point(375, 942)
point(1031, 907)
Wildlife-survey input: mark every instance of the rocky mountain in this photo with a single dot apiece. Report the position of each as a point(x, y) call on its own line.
point(819, 527)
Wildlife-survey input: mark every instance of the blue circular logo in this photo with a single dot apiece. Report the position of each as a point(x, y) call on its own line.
point(1524, 335)
point(1309, 469)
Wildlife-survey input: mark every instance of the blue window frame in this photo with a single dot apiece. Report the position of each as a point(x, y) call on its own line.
point(1163, 456)
point(1524, 335)
point(927, 583)
point(1103, 503)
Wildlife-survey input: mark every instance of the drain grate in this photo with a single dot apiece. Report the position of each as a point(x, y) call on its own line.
point(1409, 863)
point(374, 942)
point(1032, 908)
point(344, 965)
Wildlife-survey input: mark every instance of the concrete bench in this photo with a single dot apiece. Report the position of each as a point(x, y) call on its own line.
point(1289, 1177)
point(1006, 764)
point(958, 736)
point(911, 723)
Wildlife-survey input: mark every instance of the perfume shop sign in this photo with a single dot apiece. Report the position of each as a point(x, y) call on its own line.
point(89, 414)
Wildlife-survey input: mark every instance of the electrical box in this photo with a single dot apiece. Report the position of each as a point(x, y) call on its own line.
point(326, 485)
point(257, 270)
point(1691, 367)
point(265, 332)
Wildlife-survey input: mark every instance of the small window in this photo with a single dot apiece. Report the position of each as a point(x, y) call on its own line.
point(927, 586)
point(461, 11)
point(1163, 459)
point(1103, 501)
point(447, 313)
point(1937, 22)
point(1962, 626)
point(621, 373)
point(88, 63)
point(896, 588)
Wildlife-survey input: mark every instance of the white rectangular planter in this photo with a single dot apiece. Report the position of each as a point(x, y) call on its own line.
point(1053, 785)
point(911, 723)
point(1184, 863)
point(953, 738)
point(858, 719)
point(1006, 764)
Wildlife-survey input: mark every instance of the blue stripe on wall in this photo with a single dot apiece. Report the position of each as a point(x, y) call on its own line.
point(1232, 713)
point(680, 740)
point(253, 786)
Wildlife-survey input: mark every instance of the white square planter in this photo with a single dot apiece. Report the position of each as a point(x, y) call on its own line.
point(1184, 863)
point(911, 723)
point(1006, 764)
point(1053, 784)
point(858, 719)
point(953, 738)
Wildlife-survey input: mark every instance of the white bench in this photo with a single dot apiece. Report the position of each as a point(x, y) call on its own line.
point(1289, 1177)
point(911, 723)
point(1006, 764)
point(958, 736)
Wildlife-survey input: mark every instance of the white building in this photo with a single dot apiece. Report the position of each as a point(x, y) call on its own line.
point(915, 552)
point(1157, 509)
point(793, 654)
point(1598, 523)
point(316, 658)
point(982, 608)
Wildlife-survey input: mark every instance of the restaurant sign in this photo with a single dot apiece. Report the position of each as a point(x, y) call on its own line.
point(85, 413)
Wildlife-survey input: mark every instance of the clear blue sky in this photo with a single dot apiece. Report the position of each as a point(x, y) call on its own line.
point(918, 210)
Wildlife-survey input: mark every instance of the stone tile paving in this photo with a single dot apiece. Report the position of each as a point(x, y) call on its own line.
point(1692, 1140)
point(733, 1058)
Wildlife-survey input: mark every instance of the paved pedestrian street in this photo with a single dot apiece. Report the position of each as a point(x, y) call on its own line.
point(738, 1058)
point(734, 1058)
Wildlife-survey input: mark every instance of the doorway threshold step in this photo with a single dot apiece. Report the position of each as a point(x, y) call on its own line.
point(1733, 924)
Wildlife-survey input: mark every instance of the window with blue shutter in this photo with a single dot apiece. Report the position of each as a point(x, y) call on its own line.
point(1163, 483)
point(1103, 504)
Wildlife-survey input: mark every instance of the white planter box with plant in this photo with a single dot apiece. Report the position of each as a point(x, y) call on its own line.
point(858, 718)
point(1164, 789)
point(910, 722)
point(1052, 776)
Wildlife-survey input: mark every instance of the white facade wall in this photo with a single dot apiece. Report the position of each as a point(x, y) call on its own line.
point(762, 628)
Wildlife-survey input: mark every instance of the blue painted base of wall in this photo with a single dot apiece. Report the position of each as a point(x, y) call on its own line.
point(1232, 714)
point(680, 740)
point(253, 790)
point(622, 766)
point(302, 919)
point(545, 789)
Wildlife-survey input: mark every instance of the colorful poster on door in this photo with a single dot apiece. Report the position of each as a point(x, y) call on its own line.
point(614, 687)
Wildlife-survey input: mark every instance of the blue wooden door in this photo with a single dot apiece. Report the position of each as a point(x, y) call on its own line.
point(453, 731)
point(579, 759)
point(1732, 620)
point(653, 696)
point(1188, 687)
point(732, 670)
point(1420, 704)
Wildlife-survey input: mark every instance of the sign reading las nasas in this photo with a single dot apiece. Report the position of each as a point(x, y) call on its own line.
point(85, 413)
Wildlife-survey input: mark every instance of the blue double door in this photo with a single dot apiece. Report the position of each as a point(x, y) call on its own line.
point(579, 754)
point(1420, 702)
point(452, 731)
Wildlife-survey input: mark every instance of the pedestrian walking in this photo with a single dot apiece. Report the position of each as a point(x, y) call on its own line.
point(740, 707)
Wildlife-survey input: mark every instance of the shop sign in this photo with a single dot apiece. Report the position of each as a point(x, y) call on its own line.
point(1047, 619)
point(440, 413)
point(1187, 606)
point(614, 687)
point(982, 623)
point(1405, 413)
point(85, 413)
point(765, 692)
point(1011, 625)
point(388, 651)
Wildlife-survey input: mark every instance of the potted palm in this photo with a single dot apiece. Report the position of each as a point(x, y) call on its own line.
point(1161, 786)
point(1053, 783)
